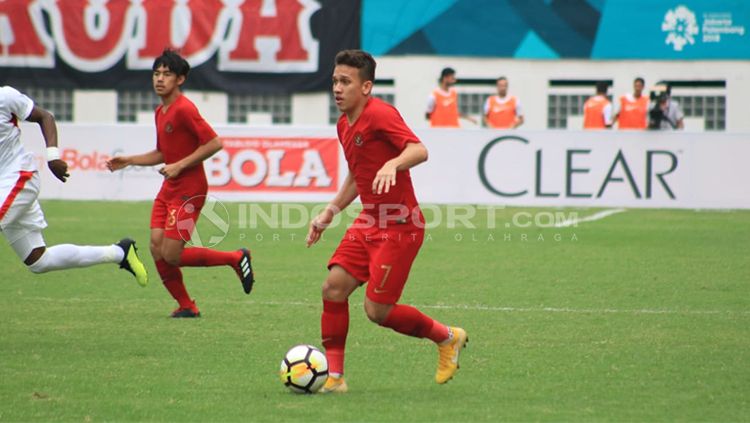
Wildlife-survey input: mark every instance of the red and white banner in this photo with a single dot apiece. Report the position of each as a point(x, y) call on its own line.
point(288, 45)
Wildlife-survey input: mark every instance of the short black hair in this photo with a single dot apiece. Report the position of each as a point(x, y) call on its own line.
point(359, 59)
point(172, 60)
point(641, 80)
point(447, 72)
point(601, 87)
point(502, 78)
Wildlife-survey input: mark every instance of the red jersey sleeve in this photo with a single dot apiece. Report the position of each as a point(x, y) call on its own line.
point(393, 128)
point(198, 126)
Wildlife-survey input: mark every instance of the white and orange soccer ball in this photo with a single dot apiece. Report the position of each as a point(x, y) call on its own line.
point(304, 369)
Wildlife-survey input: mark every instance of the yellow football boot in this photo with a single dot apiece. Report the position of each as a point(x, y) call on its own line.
point(448, 355)
point(335, 385)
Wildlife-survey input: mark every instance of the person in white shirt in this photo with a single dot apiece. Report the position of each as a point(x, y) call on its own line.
point(21, 216)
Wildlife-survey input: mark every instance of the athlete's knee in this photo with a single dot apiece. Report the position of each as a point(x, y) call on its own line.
point(155, 247)
point(36, 262)
point(171, 257)
point(34, 255)
point(28, 246)
point(333, 291)
point(376, 312)
point(338, 285)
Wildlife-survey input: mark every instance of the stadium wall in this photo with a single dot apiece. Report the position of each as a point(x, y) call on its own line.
point(521, 168)
point(410, 79)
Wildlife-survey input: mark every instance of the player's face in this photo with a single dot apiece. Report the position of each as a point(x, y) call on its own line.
point(165, 81)
point(502, 87)
point(349, 90)
point(638, 88)
point(450, 80)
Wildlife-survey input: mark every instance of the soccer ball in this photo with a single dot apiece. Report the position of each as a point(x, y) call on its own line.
point(304, 369)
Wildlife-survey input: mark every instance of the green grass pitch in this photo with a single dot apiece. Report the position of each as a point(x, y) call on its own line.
point(641, 316)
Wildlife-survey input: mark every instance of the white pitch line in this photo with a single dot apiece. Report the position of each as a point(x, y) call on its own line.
point(596, 216)
point(467, 307)
point(584, 310)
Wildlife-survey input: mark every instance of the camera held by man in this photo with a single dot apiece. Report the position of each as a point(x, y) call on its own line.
point(664, 113)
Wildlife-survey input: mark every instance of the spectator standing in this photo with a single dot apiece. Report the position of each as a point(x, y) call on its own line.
point(664, 113)
point(442, 105)
point(633, 113)
point(503, 111)
point(597, 110)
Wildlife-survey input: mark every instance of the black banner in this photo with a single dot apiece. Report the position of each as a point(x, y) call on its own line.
point(250, 46)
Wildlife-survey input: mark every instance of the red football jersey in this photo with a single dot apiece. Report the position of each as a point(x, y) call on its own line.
point(379, 134)
point(180, 130)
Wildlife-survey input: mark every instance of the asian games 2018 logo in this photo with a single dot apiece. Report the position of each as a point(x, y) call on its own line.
point(681, 27)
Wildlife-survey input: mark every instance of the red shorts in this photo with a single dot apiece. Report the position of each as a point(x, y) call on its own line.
point(380, 256)
point(177, 216)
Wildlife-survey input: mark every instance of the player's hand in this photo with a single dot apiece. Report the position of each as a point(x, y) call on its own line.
point(171, 171)
point(384, 179)
point(117, 163)
point(59, 168)
point(318, 225)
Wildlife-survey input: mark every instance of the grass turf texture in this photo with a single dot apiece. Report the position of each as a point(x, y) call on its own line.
point(642, 316)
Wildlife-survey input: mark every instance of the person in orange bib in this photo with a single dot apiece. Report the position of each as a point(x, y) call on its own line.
point(633, 113)
point(503, 111)
point(442, 105)
point(597, 110)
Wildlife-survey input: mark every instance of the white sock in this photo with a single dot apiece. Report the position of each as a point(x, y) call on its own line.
point(69, 256)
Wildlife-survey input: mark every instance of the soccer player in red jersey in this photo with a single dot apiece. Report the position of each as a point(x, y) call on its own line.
point(183, 141)
point(383, 241)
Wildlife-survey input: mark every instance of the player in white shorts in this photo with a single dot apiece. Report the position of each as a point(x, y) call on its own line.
point(21, 217)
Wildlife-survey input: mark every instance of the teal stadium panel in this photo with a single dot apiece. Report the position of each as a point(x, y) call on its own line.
point(559, 29)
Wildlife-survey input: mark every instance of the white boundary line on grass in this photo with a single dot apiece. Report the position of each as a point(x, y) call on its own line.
point(584, 310)
point(480, 307)
point(467, 307)
point(596, 216)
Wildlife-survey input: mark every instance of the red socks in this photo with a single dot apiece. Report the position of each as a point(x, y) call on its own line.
point(410, 321)
point(171, 276)
point(334, 325)
point(205, 257)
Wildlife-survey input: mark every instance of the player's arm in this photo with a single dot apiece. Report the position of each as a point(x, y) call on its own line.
point(344, 197)
point(413, 154)
point(519, 115)
point(607, 113)
point(200, 154)
point(430, 106)
point(680, 124)
point(48, 127)
point(151, 158)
